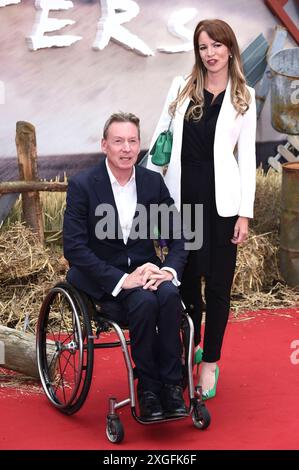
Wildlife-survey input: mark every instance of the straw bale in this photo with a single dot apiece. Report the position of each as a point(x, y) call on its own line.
point(20, 303)
point(257, 261)
point(27, 272)
point(257, 265)
point(21, 255)
point(267, 201)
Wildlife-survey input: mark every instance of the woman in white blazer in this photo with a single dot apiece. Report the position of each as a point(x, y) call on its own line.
point(212, 164)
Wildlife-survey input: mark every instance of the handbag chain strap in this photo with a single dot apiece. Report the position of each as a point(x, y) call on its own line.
point(170, 122)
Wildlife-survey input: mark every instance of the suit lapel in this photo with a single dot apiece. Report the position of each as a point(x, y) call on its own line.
point(104, 192)
point(103, 187)
point(141, 195)
point(140, 185)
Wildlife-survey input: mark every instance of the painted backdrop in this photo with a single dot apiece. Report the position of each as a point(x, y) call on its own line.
point(68, 92)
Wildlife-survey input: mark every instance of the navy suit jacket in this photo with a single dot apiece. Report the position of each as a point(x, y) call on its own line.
point(97, 265)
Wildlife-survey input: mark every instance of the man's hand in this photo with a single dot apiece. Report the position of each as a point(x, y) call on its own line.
point(148, 276)
point(139, 277)
point(156, 279)
point(133, 280)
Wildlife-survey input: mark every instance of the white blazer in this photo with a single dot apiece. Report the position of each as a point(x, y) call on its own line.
point(234, 177)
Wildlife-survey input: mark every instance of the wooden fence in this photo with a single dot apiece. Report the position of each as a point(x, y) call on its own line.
point(29, 184)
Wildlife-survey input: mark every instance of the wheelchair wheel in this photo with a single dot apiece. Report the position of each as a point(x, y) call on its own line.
point(65, 348)
point(201, 417)
point(114, 429)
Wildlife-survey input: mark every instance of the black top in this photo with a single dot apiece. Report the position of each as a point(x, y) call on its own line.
point(198, 183)
point(198, 136)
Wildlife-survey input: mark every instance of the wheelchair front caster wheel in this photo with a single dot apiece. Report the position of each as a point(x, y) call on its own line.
point(114, 429)
point(201, 417)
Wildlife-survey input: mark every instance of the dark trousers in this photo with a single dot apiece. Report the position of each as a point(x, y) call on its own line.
point(154, 321)
point(217, 298)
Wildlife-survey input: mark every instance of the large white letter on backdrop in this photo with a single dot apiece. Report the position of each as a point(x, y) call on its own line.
point(113, 14)
point(4, 3)
point(43, 25)
point(176, 27)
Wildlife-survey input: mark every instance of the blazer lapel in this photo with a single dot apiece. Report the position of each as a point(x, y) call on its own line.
point(184, 105)
point(225, 123)
point(227, 114)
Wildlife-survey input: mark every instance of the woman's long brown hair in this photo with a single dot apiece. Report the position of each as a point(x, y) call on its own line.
point(221, 32)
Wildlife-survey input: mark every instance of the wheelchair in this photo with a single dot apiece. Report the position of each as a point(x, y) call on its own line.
point(70, 326)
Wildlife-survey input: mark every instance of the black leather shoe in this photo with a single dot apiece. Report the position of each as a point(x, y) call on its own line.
point(149, 405)
point(172, 401)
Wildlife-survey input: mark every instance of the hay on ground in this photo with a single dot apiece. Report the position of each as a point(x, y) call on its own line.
point(279, 296)
point(14, 380)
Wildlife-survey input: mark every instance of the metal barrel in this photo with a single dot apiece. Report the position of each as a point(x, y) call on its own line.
point(289, 224)
point(284, 67)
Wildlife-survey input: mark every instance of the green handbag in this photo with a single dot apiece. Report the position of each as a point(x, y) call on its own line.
point(161, 150)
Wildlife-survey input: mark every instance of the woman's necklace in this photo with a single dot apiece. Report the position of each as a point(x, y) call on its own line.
point(214, 90)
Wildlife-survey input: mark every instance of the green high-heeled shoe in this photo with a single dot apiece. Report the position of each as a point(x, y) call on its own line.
point(198, 358)
point(207, 394)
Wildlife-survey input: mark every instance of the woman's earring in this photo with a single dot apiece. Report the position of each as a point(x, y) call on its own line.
point(230, 56)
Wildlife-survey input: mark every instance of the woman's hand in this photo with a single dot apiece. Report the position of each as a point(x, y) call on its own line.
point(240, 230)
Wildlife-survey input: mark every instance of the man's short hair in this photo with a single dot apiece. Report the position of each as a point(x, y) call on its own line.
point(121, 117)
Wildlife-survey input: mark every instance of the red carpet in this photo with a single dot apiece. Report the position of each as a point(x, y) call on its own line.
point(256, 406)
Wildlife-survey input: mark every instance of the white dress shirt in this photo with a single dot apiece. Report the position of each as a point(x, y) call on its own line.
point(126, 200)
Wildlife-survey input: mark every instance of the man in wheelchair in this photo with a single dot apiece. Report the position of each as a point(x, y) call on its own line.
point(108, 241)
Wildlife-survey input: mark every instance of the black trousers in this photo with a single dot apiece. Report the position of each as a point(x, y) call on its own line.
point(217, 298)
point(154, 321)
